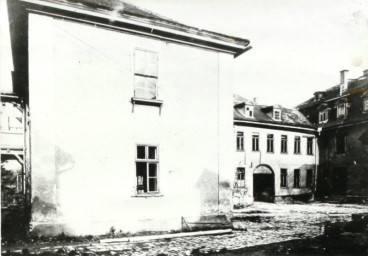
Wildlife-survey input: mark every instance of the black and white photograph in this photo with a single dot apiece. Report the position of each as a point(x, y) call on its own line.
point(184, 127)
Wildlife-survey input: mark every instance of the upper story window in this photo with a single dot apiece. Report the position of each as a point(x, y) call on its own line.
point(365, 105)
point(323, 116)
point(240, 177)
point(145, 74)
point(270, 143)
point(147, 169)
point(310, 146)
point(277, 114)
point(240, 141)
point(340, 144)
point(297, 145)
point(255, 142)
point(248, 110)
point(283, 144)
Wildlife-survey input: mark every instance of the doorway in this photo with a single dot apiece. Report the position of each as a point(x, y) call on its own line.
point(263, 184)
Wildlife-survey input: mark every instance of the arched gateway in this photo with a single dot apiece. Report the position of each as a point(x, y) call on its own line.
point(263, 184)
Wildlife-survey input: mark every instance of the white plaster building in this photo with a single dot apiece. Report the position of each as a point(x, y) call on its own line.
point(130, 115)
point(276, 153)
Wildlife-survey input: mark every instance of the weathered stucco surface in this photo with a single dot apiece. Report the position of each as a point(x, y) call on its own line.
point(276, 161)
point(85, 130)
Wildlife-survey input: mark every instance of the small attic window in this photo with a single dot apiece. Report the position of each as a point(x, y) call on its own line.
point(277, 114)
point(248, 111)
point(342, 109)
point(323, 116)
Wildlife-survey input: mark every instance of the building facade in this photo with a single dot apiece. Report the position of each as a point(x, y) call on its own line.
point(276, 153)
point(341, 113)
point(129, 112)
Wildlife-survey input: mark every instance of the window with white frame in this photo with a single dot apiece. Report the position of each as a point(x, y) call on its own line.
point(323, 116)
point(341, 109)
point(297, 145)
point(310, 146)
point(283, 178)
point(297, 178)
point(239, 141)
point(270, 143)
point(240, 177)
point(145, 74)
point(248, 111)
point(147, 169)
point(277, 114)
point(309, 178)
point(255, 142)
point(283, 143)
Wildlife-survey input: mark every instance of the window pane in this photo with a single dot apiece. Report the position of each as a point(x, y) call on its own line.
point(152, 170)
point(152, 153)
point(151, 94)
point(140, 82)
point(141, 152)
point(140, 93)
point(139, 62)
point(141, 172)
point(151, 83)
point(152, 184)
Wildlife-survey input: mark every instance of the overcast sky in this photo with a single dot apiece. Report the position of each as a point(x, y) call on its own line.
point(299, 46)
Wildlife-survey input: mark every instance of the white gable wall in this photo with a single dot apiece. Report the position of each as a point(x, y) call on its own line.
point(84, 129)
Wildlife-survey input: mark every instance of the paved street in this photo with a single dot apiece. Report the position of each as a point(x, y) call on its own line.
point(259, 224)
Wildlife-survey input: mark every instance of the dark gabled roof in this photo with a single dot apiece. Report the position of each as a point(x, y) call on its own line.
point(356, 90)
point(354, 86)
point(122, 9)
point(290, 117)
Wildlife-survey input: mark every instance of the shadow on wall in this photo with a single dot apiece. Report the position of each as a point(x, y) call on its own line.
point(208, 187)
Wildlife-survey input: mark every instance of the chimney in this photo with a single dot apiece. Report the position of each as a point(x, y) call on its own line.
point(343, 81)
point(365, 72)
point(255, 101)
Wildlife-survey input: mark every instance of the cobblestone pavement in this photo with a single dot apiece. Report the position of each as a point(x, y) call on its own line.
point(259, 224)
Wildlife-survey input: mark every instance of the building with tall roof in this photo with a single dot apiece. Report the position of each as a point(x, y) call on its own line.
point(276, 153)
point(113, 98)
point(341, 114)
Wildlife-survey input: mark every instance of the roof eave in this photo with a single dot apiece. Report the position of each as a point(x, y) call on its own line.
point(205, 39)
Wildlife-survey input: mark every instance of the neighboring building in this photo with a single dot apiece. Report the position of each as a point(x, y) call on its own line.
point(13, 177)
point(276, 153)
point(129, 112)
point(341, 113)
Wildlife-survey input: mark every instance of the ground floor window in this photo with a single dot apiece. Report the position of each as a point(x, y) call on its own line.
point(147, 169)
point(283, 178)
point(296, 178)
point(309, 178)
point(240, 177)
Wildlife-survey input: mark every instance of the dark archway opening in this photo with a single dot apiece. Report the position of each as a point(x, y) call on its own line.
point(263, 184)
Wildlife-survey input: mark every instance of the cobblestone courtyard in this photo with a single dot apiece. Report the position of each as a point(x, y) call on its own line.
point(259, 224)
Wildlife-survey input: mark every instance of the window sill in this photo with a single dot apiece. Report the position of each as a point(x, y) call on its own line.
point(148, 195)
point(143, 101)
point(146, 102)
point(270, 152)
point(240, 151)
